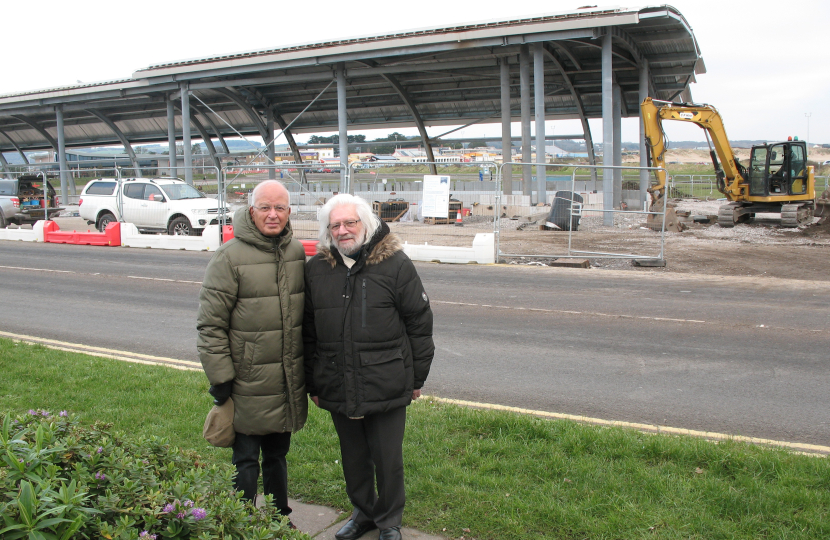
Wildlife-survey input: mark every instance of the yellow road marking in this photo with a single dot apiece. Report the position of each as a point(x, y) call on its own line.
point(801, 447)
point(126, 356)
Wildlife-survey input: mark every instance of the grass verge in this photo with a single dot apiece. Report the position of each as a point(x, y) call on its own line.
point(476, 474)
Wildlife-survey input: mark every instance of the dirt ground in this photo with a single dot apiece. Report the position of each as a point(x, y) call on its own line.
point(760, 249)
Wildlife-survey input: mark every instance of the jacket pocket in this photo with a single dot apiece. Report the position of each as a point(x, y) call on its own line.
point(248, 355)
point(328, 377)
point(383, 374)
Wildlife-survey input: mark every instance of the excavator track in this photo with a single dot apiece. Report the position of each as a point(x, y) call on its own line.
point(793, 215)
point(726, 214)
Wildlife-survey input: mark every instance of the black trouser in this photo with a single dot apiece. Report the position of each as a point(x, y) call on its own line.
point(372, 448)
point(274, 447)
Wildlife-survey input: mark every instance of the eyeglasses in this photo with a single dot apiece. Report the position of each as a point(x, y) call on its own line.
point(348, 224)
point(265, 209)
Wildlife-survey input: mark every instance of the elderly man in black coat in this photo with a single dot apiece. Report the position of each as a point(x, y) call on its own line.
point(368, 349)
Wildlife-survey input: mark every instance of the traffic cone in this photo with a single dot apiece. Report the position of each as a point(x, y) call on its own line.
point(458, 222)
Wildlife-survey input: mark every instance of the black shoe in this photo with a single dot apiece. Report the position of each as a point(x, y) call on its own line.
point(392, 533)
point(353, 531)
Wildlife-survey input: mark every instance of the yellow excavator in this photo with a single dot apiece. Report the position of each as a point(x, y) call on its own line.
point(777, 180)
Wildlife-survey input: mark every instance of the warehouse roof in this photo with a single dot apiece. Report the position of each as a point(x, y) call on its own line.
point(446, 76)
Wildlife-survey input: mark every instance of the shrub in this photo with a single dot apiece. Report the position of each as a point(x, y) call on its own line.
point(60, 480)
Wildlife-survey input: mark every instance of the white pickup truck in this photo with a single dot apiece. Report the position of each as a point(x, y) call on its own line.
point(21, 200)
point(151, 204)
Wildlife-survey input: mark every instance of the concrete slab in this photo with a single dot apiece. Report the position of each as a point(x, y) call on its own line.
point(571, 263)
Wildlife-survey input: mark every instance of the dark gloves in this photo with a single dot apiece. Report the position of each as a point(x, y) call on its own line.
point(221, 392)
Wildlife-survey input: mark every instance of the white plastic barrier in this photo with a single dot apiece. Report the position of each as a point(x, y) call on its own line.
point(482, 252)
point(35, 234)
point(209, 241)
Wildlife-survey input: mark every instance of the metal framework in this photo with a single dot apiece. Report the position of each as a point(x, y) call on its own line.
point(424, 78)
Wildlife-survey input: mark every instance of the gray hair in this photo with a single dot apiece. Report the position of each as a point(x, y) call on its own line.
point(371, 223)
point(262, 185)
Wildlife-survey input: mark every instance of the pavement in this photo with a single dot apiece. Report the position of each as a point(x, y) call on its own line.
point(321, 522)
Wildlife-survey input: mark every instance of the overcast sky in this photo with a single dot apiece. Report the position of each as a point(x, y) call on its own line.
point(768, 63)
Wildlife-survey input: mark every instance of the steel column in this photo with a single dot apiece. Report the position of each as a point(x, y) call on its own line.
point(607, 130)
point(269, 141)
point(171, 137)
point(617, 145)
point(186, 143)
point(506, 135)
point(644, 175)
point(4, 164)
point(539, 108)
point(524, 85)
point(62, 156)
point(341, 124)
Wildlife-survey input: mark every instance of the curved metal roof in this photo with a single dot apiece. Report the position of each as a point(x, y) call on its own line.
point(449, 75)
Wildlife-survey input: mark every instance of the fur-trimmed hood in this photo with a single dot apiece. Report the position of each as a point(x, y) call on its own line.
point(383, 245)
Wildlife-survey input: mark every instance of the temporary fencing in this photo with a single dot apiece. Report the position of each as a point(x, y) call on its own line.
point(575, 223)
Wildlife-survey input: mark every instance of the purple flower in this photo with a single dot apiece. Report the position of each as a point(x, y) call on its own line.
point(198, 513)
point(168, 508)
point(180, 515)
point(100, 476)
point(32, 412)
point(64, 413)
point(45, 413)
point(100, 449)
point(20, 460)
point(188, 503)
point(145, 534)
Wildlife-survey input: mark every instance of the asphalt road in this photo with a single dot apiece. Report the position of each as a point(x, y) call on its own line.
point(737, 356)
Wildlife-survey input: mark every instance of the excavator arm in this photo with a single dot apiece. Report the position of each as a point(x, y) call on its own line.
point(729, 172)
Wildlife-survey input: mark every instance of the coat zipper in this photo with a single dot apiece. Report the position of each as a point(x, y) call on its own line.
point(363, 309)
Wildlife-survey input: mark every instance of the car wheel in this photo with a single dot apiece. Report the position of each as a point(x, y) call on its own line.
point(3, 223)
point(105, 220)
point(180, 227)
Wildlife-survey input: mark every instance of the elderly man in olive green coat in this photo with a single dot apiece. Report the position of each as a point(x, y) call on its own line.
point(250, 338)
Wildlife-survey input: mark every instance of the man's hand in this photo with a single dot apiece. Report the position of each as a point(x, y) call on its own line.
point(221, 392)
point(316, 400)
point(416, 394)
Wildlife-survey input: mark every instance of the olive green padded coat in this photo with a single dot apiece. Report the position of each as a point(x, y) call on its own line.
point(250, 327)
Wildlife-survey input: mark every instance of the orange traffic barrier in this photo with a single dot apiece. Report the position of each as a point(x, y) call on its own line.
point(110, 237)
point(310, 246)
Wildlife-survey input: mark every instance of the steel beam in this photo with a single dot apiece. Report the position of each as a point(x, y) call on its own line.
point(506, 127)
point(121, 137)
point(607, 129)
point(171, 138)
point(342, 129)
point(416, 116)
point(37, 127)
point(524, 85)
point(186, 143)
point(586, 127)
point(16, 147)
point(62, 155)
point(539, 108)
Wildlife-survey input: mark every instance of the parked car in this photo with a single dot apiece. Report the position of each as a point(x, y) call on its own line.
point(21, 200)
point(151, 204)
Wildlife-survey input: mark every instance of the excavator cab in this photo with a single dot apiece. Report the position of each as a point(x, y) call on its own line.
point(778, 169)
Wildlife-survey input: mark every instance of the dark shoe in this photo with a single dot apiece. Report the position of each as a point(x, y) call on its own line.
point(392, 533)
point(353, 531)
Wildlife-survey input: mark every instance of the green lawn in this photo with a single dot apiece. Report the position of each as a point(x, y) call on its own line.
point(498, 474)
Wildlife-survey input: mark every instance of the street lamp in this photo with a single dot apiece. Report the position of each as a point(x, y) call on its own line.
point(808, 115)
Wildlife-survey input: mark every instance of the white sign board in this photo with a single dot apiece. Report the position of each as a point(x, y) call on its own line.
point(436, 196)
